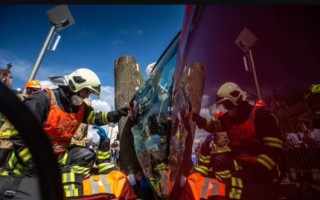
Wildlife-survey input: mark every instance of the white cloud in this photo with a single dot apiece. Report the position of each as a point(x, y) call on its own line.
point(47, 84)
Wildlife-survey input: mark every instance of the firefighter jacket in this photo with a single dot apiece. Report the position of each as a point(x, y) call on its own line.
point(216, 161)
point(198, 187)
point(61, 126)
point(255, 141)
point(6, 146)
point(114, 182)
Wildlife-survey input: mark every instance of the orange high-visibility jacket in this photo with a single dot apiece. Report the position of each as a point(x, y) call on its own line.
point(200, 187)
point(61, 126)
point(114, 182)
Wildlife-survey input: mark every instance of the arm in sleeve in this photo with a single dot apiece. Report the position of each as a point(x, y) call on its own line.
point(39, 105)
point(100, 118)
point(204, 161)
point(269, 135)
point(211, 125)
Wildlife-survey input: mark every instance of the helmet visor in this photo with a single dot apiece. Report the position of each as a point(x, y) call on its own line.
point(95, 90)
point(58, 80)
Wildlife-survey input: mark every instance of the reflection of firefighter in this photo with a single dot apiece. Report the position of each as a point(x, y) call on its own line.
point(197, 186)
point(216, 159)
point(156, 145)
point(61, 111)
point(254, 141)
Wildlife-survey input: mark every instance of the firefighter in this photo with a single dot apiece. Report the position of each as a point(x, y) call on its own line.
point(32, 87)
point(5, 144)
point(5, 125)
point(109, 180)
point(103, 154)
point(255, 142)
point(61, 111)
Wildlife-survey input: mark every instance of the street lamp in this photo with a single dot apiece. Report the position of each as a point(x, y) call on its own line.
point(60, 17)
point(246, 41)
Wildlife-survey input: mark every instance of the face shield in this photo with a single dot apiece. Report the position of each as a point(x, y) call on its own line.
point(59, 80)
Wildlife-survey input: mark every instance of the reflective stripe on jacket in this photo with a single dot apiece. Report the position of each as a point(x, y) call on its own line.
point(61, 126)
point(200, 187)
point(114, 182)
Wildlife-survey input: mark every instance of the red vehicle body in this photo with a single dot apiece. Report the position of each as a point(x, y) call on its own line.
point(272, 52)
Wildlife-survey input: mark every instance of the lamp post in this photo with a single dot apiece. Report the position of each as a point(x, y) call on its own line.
point(246, 41)
point(60, 17)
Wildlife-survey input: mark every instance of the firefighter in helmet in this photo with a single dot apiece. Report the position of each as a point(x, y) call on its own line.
point(61, 111)
point(255, 142)
point(32, 87)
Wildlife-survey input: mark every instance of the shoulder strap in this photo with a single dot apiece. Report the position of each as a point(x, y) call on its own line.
point(53, 101)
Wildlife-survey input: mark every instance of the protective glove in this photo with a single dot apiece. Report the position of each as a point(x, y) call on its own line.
point(200, 121)
point(114, 116)
point(102, 133)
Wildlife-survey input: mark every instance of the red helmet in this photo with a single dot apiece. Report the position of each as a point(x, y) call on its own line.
point(218, 113)
point(260, 102)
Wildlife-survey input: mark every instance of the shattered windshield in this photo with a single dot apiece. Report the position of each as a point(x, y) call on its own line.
point(151, 131)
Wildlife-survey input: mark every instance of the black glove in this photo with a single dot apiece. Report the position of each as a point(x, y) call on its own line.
point(200, 121)
point(114, 116)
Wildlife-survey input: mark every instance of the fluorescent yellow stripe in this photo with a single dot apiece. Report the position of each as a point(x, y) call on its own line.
point(80, 170)
point(62, 159)
point(104, 117)
point(266, 161)
point(90, 119)
point(236, 182)
point(235, 193)
point(224, 174)
point(273, 142)
point(223, 150)
point(9, 133)
point(204, 160)
point(103, 155)
point(25, 155)
point(236, 165)
point(202, 170)
point(68, 177)
point(105, 166)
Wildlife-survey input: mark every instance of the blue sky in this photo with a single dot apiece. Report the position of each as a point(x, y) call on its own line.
point(101, 34)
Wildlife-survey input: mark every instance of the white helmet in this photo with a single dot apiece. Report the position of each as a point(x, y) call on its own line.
point(230, 91)
point(150, 68)
point(83, 78)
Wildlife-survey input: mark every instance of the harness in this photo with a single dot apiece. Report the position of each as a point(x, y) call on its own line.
point(61, 126)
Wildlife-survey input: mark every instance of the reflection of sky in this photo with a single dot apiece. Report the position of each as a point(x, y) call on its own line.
point(286, 56)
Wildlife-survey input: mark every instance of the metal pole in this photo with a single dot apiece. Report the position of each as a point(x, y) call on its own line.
point(254, 73)
point(41, 54)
